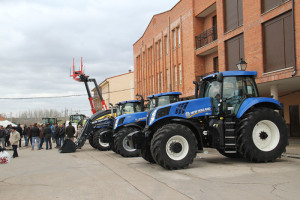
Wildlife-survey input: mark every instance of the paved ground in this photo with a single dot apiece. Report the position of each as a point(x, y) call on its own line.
point(91, 174)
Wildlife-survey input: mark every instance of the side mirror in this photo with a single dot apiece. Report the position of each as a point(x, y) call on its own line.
point(220, 77)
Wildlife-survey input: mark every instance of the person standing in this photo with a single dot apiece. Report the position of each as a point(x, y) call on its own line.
point(29, 134)
point(7, 132)
point(35, 134)
point(20, 131)
point(15, 137)
point(41, 135)
point(70, 131)
point(47, 135)
point(2, 137)
point(25, 134)
point(61, 136)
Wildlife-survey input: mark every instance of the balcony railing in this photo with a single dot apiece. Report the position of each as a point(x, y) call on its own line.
point(206, 37)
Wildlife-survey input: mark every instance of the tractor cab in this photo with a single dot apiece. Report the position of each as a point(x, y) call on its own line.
point(49, 120)
point(128, 107)
point(162, 99)
point(78, 118)
point(228, 90)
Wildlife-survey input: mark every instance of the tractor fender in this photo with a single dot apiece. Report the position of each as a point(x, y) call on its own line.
point(134, 125)
point(195, 128)
point(258, 101)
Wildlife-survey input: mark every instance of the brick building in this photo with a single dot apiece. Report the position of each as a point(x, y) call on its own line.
point(200, 36)
point(115, 89)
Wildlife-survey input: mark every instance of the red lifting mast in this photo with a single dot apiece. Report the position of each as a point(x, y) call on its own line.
point(81, 77)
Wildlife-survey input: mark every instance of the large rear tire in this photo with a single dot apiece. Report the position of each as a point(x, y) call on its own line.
point(146, 153)
point(174, 146)
point(121, 143)
point(91, 138)
point(262, 135)
point(97, 142)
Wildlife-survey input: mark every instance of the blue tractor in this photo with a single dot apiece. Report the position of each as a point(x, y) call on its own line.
point(126, 124)
point(229, 116)
point(106, 124)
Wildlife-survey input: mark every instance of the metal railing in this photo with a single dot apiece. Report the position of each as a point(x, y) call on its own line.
point(206, 37)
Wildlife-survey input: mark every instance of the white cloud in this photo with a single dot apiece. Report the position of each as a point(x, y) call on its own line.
point(39, 38)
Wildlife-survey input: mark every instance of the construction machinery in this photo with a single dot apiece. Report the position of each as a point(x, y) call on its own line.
point(228, 116)
point(88, 127)
point(125, 124)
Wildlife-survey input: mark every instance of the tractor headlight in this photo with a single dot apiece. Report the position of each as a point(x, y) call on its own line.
point(116, 123)
point(152, 117)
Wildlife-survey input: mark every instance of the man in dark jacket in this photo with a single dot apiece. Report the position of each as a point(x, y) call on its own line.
point(35, 134)
point(25, 134)
point(70, 131)
point(47, 135)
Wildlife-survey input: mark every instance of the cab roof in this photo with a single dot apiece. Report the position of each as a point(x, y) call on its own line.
point(131, 101)
point(233, 73)
point(164, 94)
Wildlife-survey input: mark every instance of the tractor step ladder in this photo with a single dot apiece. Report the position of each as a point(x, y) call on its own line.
point(83, 135)
point(230, 137)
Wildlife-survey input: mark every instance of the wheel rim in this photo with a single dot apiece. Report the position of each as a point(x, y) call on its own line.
point(103, 144)
point(126, 145)
point(177, 147)
point(266, 135)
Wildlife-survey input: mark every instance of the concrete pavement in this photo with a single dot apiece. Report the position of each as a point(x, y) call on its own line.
point(91, 174)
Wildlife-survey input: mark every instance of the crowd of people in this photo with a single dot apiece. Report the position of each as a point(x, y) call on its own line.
point(36, 135)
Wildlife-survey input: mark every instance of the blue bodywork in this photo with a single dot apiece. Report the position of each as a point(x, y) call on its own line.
point(130, 118)
point(164, 94)
point(248, 103)
point(186, 109)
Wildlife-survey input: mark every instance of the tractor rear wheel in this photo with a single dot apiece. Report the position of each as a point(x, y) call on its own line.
point(146, 153)
point(97, 142)
point(121, 143)
point(174, 146)
point(262, 135)
point(91, 138)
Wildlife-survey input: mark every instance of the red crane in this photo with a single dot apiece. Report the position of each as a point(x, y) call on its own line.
point(81, 77)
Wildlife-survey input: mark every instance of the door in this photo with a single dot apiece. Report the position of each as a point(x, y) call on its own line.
point(294, 121)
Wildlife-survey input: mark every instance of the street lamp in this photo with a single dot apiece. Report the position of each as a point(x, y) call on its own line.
point(137, 96)
point(241, 65)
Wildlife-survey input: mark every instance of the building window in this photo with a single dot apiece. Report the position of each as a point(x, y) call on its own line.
point(179, 36)
point(153, 84)
point(160, 48)
point(157, 82)
point(269, 4)
point(161, 82)
point(180, 74)
point(175, 75)
point(166, 45)
point(278, 43)
point(234, 51)
point(168, 78)
point(156, 50)
point(233, 14)
point(216, 64)
point(174, 38)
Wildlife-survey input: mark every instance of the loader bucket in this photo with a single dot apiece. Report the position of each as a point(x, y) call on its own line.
point(68, 147)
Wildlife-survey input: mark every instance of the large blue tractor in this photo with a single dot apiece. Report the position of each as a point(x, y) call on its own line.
point(229, 116)
point(106, 124)
point(125, 124)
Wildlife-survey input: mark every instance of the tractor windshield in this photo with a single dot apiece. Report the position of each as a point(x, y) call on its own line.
point(49, 121)
point(165, 100)
point(128, 108)
point(235, 90)
point(76, 118)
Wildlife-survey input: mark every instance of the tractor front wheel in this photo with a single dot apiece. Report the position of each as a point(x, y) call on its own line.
point(97, 142)
point(174, 146)
point(91, 139)
point(262, 135)
point(121, 143)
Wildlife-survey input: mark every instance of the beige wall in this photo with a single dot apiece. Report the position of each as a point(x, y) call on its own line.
point(292, 99)
point(116, 89)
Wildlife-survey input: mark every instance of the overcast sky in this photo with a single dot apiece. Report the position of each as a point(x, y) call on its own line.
point(39, 38)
